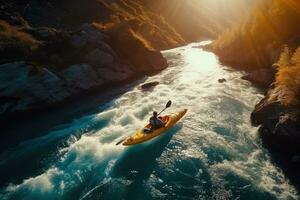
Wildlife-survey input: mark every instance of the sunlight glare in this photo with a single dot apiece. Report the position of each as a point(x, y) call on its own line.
point(197, 63)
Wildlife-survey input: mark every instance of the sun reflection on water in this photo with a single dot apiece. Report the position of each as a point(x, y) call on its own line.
point(197, 63)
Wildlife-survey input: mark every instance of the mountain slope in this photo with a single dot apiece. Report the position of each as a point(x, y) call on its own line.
point(53, 50)
point(257, 41)
point(268, 40)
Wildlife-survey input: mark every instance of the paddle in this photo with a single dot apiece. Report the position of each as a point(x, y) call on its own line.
point(167, 106)
point(121, 141)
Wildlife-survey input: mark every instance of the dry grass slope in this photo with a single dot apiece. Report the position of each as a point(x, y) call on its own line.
point(257, 40)
point(288, 77)
point(148, 27)
point(15, 44)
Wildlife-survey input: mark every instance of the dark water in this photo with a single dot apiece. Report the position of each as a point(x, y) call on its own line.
point(213, 153)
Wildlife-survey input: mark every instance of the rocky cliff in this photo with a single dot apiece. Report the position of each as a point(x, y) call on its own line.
point(257, 40)
point(280, 130)
point(265, 44)
point(53, 50)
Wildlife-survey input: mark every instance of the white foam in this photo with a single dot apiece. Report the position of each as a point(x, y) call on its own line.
point(39, 184)
point(194, 86)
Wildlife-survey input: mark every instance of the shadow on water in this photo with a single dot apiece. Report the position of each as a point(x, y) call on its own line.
point(41, 154)
point(138, 162)
point(40, 149)
point(38, 124)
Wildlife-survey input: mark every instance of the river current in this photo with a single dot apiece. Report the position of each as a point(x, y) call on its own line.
point(212, 153)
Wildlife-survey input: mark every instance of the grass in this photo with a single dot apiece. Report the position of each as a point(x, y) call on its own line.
point(15, 44)
point(258, 38)
point(288, 77)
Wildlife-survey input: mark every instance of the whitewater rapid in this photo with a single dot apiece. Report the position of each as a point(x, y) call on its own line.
point(213, 153)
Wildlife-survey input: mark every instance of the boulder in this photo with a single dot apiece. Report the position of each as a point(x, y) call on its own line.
point(87, 34)
point(45, 33)
point(149, 85)
point(222, 80)
point(269, 108)
point(132, 47)
point(81, 77)
point(26, 89)
point(47, 87)
point(262, 77)
point(155, 61)
point(13, 75)
point(99, 58)
point(280, 127)
point(109, 75)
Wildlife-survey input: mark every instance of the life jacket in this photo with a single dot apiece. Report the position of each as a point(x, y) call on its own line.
point(156, 122)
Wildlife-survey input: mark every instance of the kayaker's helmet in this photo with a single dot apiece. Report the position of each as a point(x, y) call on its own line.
point(154, 113)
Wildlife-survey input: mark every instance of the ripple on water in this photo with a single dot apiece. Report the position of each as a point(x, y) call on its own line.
point(213, 153)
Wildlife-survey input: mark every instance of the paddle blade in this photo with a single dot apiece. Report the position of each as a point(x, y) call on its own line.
point(121, 141)
point(169, 104)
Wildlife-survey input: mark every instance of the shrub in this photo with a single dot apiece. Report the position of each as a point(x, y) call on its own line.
point(15, 44)
point(288, 76)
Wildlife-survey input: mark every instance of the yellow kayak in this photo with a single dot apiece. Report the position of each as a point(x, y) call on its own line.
point(140, 136)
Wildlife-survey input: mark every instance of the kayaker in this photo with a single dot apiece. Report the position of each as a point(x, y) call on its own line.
point(156, 122)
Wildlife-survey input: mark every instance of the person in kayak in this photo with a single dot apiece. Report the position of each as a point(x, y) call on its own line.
point(156, 122)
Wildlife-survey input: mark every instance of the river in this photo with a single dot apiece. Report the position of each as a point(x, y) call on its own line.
point(212, 153)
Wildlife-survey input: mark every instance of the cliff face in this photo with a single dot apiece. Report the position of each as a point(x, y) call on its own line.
point(280, 130)
point(52, 50)
point(200, 19)
point(256, 41)
point(266, 42)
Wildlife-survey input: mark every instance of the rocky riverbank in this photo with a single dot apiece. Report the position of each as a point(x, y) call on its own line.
point(280, 130)
point(25, 86)
point(55, 50)
point(271, 61)
point(49, 60)
point(278, 113)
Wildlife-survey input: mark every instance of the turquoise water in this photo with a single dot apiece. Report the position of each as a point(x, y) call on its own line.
point(212, 153)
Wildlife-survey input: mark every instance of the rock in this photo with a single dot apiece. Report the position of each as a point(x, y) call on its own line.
point(222, 80)
point(149, 85)
point(106, 48)
point(99, 58)
point(13, 75)
point(45, 33)
point(155, 61)
point(268, 109)
point(28, 89)
point(87, 34)
point(109, 75)
point(262, 77)
point(287, 125)
point(138, 53)
point(81, 77)
point(197, 46)
point(280, 127)
point(23, 87)
point(47, 86)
